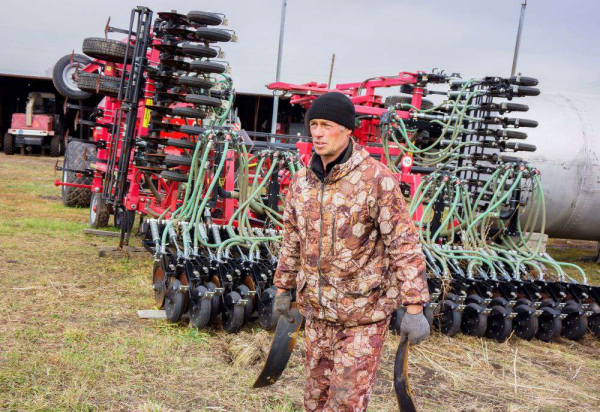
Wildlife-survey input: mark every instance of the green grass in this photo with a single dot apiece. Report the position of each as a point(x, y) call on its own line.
point(70, 338)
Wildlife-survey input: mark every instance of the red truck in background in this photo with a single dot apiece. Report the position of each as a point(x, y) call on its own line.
point(38, 126)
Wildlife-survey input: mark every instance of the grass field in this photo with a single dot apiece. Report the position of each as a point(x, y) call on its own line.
point(70, 339)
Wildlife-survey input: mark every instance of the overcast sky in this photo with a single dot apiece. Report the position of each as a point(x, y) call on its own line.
point(560, 43)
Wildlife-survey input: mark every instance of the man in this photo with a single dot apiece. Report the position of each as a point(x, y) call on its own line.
point(351, 251)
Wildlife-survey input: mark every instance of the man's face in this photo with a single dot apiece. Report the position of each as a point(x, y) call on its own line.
point(329, 138)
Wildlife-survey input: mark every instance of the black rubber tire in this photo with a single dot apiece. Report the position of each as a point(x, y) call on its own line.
point(499, 324)
point(108, 86)
point(199, 309)
point(78, 156)
point(9, 144)
point(243, 290)
point(233, 314)
point(448, 318)
point(198, 50)
point(393, 100)
point(98, 218)
point(210, 34)
point(174, 302)
point(189, 112)
point(204, 17)
point(106, 49)
point(178, 160)
point(203, 66)
point(175, 176)
point(55, 146)
point(525, 324)
point(158, 286)
point(202, 100)
point(62, 78)
point(195, 82)
point(181, 143)
point(265, 309)
point(215, 302)
point(474, 322)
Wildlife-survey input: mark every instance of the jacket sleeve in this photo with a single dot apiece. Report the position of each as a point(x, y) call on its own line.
point(289, 253)
point(401, 239)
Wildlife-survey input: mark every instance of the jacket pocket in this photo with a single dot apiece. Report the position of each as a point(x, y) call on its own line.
point(360, 286)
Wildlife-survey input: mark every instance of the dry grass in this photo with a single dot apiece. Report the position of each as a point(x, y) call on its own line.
point(71, 341)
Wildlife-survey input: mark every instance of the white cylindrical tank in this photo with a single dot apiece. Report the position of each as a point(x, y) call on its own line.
point(568, 157)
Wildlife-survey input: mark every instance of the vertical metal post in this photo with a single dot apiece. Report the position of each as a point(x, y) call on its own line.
point(278, 75)
point(518, 43)
point(331, 71)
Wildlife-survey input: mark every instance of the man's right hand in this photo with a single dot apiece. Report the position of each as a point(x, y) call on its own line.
point(283, 303)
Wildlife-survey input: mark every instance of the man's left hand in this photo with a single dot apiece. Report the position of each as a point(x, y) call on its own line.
point(414, 326)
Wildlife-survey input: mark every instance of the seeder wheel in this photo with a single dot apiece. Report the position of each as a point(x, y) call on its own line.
point(265, 309)
point(233, 313)
point(549, 324)
point(526, 322)
point(474, 320)
point(158, 285)
point(499, 324)
point(199, 308)
point(594, 319)
point(575, 325)
point(448, 318)
point(174, 301)
point(396, 320)
point(243, 291)
point(215, 302)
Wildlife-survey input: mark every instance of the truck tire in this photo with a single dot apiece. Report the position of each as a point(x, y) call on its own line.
point(203, 100)
point(108, 86)
point(55, 146)
point(196, 82)
point(392, 100)
point(189, 112)
point(106, 49)
point(203, 66)
point(206, 18)
point(9, 144)
point(211, 34)
point(78, 156)
point(62, 76)
point(198, 50)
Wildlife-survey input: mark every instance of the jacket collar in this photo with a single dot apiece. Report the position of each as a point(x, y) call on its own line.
point(354, 156)
point(316, 163)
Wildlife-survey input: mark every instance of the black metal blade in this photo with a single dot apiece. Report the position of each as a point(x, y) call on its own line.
point(281, 350)
point(401, 386)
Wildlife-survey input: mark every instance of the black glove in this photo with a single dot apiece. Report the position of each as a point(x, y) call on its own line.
point(282, 306)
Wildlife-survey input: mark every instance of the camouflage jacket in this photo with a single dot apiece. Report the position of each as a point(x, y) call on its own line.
point(349, 246)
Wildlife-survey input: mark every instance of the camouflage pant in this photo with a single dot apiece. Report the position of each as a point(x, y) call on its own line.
point(340, 364)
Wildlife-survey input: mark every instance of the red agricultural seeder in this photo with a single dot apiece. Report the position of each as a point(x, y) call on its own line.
point(166, 146)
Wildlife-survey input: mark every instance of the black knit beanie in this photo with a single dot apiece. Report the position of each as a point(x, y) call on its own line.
point(333, 106)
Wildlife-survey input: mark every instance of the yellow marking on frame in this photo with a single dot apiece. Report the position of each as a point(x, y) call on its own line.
point(147, 113)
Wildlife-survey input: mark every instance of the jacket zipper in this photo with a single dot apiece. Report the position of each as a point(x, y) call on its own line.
point(320, 240)
point(333, 237)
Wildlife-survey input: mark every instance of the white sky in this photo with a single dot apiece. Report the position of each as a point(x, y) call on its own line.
point(560, 44)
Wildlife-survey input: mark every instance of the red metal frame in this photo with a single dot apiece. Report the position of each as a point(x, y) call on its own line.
point(368, 105)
